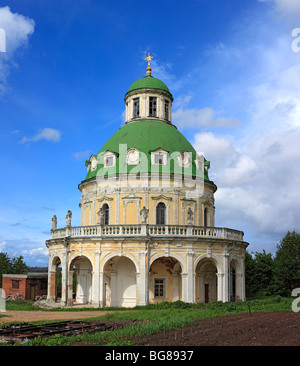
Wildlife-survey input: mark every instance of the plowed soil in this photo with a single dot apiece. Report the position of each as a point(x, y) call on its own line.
point(258, 329)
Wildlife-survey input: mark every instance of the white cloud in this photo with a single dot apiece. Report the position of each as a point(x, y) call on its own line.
point(82, 155)
point(219, 150)
point(2, 246)
point(17, 30)
point(49, 134)
point(35, 252)
point(258, 181)
point(205, 117)
point(286, 8)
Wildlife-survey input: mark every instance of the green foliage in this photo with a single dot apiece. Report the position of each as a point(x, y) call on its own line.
point(265, 275)
point(14, 265)
point(287, 264)
point(259, 274)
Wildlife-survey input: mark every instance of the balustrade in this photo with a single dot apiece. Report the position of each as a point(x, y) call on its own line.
point(152, 230)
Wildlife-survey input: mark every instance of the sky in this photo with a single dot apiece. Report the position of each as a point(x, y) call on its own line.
point(232, 66)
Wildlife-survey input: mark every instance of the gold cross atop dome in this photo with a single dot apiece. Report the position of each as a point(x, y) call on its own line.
point(149, 69)
point(149, 58)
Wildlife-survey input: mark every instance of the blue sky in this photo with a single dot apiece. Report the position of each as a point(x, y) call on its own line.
point(230, 66)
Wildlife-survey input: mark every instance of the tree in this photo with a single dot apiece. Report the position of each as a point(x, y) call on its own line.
point(263, 277)
point(287, 264)
point(259, 274)
point(18, 265)
point(251, 286)
point(15, 265)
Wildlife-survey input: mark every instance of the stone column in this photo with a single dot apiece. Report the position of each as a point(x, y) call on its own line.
point(70, 289)
point(188, 280)
point(64, 281)
point(141, 280)
point(184, 277)
point(51, 293)
point(175, 286)
point(96, 281)
point(220, 277)
point(226, 279)
point(113, 288)
point(101, 290)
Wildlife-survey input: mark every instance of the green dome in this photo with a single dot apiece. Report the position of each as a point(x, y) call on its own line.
point(146, 136)
point(148, 82)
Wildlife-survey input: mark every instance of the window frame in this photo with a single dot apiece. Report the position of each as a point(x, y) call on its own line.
point(109, 156)
point(15, 284)
point(152, 106)
point(162, 153)
point(160, 158)
point(161, 214)
point(136, 108)
point(167, 109)
point(161, 289)
point(106, 208)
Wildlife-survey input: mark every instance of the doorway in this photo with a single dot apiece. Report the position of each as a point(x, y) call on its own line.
point(32, 292)
point(206, 293)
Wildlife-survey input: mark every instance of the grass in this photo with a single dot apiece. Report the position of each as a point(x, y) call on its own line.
point(155, 318)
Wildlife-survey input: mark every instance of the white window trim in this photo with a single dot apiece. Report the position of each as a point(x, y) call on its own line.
point(160, 152)
point(200, 163)
point(109, 154)
point(136, 157)
point(183, 159)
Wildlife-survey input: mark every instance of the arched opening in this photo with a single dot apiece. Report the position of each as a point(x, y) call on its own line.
point(206, 216)
point(235, 281)
point(232, 286)
point(105, 209)
point(165, 282)
point(206, 281)
point(82, 288)
point(161, 214)
point(119, 282)
point(55, 280)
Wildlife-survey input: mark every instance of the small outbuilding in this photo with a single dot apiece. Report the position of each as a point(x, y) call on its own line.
point(27, 285)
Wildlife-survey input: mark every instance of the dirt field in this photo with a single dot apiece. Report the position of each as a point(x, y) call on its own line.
point(260, 329)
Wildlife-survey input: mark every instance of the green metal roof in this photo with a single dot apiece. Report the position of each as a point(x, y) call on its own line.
point(148, 82)
point(145, 136)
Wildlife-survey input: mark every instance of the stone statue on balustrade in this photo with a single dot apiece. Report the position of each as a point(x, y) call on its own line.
point(100, 215)
point(54, 223)
point(144, 215)
point(68, 218)
point(190, 217)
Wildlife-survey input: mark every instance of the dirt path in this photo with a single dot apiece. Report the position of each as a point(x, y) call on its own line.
point(31, 316)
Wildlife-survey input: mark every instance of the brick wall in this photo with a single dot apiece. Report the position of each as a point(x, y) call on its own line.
point(10, 287)
point(28, 286)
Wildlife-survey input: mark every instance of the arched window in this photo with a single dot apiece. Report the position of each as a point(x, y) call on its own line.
point(105, 208)
point(206, 216)
point(161, 214)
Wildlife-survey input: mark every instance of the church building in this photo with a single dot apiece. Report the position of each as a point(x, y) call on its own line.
point(147, 230)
